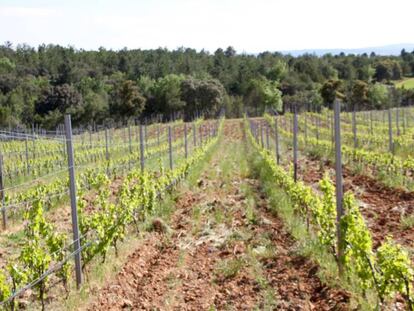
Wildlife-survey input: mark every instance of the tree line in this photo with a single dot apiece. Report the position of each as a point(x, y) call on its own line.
point(38, 85)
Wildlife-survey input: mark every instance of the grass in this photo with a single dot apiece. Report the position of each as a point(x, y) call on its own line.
point(267, 292)
point(407, 83)
point(407, 222)
point(98, 275)
point(228, 268)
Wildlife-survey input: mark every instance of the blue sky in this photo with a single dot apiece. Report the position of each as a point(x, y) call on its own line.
point(249, 26)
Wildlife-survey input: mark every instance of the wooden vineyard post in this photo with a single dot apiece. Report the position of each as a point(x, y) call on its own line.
point(73, 202)
point(277, 142)
point(339, 185)
point(141, 148)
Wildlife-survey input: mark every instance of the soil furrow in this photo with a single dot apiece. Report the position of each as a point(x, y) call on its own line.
point(383, 208)
point(223, 250)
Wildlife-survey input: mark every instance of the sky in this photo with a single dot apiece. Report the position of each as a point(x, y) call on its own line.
point(249, 26)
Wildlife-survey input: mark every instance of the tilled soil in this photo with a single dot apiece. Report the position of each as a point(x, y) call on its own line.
point(224, 250)
point(382, 207)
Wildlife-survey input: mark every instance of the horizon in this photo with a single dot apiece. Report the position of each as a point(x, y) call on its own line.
point(409, 47)
point(206, 25)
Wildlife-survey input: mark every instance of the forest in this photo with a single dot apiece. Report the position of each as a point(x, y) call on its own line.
point(38, 85)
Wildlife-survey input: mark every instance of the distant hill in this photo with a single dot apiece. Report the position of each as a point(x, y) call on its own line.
point(392, 49)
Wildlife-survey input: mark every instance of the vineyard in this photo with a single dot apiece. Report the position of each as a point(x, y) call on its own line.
point(299, 211)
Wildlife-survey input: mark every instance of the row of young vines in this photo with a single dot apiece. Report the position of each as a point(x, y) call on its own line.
point(386, 270)
point(106, 215)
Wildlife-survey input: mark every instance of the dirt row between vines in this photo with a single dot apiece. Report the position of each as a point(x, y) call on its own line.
point(382, 207)
point(222, 249)
point(388, 211)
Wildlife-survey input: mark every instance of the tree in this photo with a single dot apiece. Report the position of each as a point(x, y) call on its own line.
point(305, 100)
point(60, 98)
point(278, 71)
point(230, 52)
point(6, 65)
point(359, 94)
point(331, 90)
point(146, 85)
point(167, 94)
point(29, 78)
point(126, 100)
point(202, 96)
point(264, 94)
point(396, 71)
point(383, 71)
point(377, 95)
point(387, 70)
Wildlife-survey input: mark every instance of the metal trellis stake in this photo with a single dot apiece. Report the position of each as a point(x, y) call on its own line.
point(370, 123)
point(194, 135)
point(3, 205)
point(306, 128)
point(106, 151)
point(141, 147)
point(145, 134)
point(73, 203)
point(185, 141)
point(158, 135)
point(200, 133)
point(390, 141)
point(170, 146)
point(27, 156)
point(295, 145)
point(339, 186)
point(261, 135)
point(397, 120)
point(317, 128)
point(354, 128)
point(130, 146)
point(267, 138)
point(277, 142)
